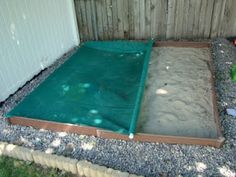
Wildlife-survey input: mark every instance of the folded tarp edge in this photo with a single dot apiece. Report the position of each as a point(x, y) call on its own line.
point(140, 90)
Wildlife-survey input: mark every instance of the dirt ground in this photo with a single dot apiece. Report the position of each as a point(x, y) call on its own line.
point(178, 97)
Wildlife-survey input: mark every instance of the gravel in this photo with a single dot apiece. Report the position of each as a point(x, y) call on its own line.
point(149, 159)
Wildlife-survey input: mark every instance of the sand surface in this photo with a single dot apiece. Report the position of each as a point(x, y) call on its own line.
point(177, 99)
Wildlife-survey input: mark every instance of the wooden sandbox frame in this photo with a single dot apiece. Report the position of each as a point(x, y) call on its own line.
point(142, 137)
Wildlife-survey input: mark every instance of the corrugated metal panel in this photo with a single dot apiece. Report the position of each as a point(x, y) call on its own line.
point(33, 34)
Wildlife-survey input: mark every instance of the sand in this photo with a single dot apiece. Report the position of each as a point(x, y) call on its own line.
point(177, 99)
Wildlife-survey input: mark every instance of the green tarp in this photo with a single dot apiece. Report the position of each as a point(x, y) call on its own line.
point(101, 85)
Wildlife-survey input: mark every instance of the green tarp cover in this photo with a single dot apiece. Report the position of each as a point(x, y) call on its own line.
point(101, 85)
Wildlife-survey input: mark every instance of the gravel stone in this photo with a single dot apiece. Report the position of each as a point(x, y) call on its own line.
point(149, 159)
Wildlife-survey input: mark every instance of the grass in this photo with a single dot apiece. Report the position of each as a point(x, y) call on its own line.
point(10, 167)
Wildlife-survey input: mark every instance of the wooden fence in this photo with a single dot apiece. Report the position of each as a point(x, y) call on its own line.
point(163, 19)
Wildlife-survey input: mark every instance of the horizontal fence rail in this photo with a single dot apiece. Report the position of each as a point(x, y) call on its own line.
point(162, 19)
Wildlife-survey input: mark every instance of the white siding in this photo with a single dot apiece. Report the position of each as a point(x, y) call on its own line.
point(33, 34)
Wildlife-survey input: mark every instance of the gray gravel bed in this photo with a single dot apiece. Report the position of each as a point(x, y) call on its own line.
point(149, 159)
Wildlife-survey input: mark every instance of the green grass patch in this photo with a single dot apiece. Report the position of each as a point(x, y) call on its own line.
point(233, 73)
point(10, 167)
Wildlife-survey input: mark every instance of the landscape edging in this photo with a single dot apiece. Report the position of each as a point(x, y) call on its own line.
point(82, 167)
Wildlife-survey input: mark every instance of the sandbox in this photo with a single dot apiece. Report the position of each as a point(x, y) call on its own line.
point(178, 105)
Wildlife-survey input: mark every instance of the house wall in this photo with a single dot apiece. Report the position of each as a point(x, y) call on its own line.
point(161, 19)
point(33, 34)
